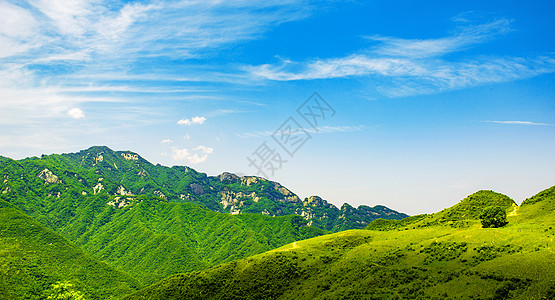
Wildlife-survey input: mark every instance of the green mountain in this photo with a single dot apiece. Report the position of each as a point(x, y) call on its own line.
point(447, 255)
point(144, 235)
point(36, 263)
point(123, 173)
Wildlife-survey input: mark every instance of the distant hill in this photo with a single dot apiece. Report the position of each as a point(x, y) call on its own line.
point(447, 255)
point(34, 259)
point(99, 170)
point(463, 214)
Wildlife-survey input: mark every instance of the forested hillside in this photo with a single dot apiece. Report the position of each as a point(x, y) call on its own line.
point(146, 236)
point(36, 263)
point(99, 170)
point(447, 255)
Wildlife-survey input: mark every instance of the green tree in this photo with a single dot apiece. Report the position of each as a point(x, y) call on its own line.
point(64, 291)
point(493, 217)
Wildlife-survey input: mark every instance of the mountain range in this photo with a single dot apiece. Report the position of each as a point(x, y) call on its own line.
point(151, 221)
point(103, 224)
point(124, 175)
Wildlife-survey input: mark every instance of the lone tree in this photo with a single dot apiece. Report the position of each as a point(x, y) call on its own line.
point(493, 217)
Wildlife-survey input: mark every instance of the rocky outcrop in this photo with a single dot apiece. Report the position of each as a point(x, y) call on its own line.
point(120, 202)
point(196, 188)
point(314, 201)
point(250, 180)
point(97, 188)
point(161, 195)
point(229, 178)
point(48, 176)
point(288, 196)
point(235, 200)
point(129, 156)
point(121, 191)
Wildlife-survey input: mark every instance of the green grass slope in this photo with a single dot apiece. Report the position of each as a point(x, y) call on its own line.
point(447, 255)
point(463, 214)
point(34, 259)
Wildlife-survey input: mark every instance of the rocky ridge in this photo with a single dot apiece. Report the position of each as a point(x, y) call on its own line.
point(123, 175)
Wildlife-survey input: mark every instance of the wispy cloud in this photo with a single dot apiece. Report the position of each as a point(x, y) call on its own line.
point(17, 30)
point(166, 141)
point(463, 38)
point(319, 130)
point(58, 56)
point(106, 30)
point(192, 121)
point(223, 112)
point(519, 123)
point(409, 67)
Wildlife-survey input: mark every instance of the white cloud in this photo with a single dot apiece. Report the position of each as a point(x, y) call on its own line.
point(56, 55)
point(319, 130)
point(192, 121)
point(91, 43)
point(196, 155)
point(404, 67)
point(17, 30)
point(69, 17)
point(111, 30)
point(419, 48)
point(166, 141)
point(76, 113)
point(519, 123)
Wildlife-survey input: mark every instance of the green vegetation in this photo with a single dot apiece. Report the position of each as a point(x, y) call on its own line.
point(145, 236)
point(151, 239)
point(99, 170)
point(100, 224)
point(447, 255)
point(493, 217)
point(36, 263)
point(64, 291)
point(462, 215)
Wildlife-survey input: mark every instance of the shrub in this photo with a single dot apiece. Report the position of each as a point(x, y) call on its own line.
point(493, 217)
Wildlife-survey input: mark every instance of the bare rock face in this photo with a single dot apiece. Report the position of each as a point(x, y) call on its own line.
point(233, 200)
point(129, 156)
point(121, 191)
point(228, 178)
point(196, 188)
point(48, 176)
point(120, 202)
point(288, 196)
point(97, 188)
point(249, 180)
point(316, 201)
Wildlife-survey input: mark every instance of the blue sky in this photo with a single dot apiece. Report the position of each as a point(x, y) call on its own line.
point(433, 100)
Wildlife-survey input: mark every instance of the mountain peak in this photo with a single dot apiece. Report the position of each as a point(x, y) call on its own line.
point(97, 149)
point(316, 201)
